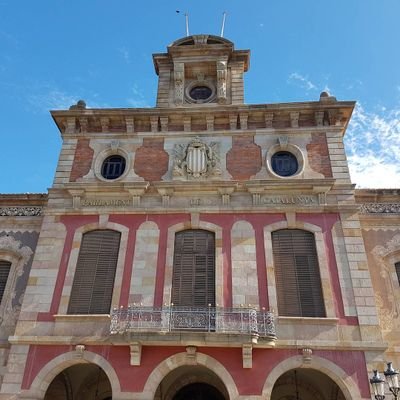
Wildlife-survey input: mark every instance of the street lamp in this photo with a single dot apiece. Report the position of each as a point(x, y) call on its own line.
point(378, 383)
point(392, 379)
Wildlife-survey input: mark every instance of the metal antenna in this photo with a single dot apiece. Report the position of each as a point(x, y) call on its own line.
point(187, 21)
point(223, 23)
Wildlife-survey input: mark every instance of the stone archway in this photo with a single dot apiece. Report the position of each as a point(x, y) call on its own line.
point(191, 382)
point(57, 365)
point(80, 382)
point(341, 378)
point(306, 384)
point(200, 368)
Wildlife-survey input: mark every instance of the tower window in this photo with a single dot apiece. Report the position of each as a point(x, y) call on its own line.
point(113, 167)
point(284, 163)
point(200, 93)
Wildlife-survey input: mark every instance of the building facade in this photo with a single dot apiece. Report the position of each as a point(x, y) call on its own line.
point(200, 249)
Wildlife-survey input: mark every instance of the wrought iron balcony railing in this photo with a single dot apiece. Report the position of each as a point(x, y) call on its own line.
point(210, 319)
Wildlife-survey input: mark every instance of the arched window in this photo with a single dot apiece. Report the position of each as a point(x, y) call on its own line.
point(93, 283)
point(5, 267)
point(298, 282)
point(193, 277)
point(397, 267)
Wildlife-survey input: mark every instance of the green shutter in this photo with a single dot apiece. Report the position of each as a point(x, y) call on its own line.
point(93, 283)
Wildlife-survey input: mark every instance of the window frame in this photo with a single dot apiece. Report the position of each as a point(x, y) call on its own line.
point(178, 289)
point(113, 150)
point(298, 281)
point(94, 273)
point(14, 252)
point(288, 148)
point(326, 284)
point(73, 259)
point(219, 267)
point(107, 165)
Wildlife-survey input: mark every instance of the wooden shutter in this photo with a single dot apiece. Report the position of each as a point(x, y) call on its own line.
point(5, 267)
point(298, 281)
point(93, 283)
point(397, 266)
point(193, 278)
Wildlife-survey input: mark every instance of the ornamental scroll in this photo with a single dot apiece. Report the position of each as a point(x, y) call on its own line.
point(196, 160)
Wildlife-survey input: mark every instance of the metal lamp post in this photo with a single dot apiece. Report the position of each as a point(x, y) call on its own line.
point(378, 383)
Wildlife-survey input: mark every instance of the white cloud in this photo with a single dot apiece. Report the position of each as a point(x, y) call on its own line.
point(138, 100)
point(372, 143)
point(301, 81)
point(51, 100)
point(125, 54)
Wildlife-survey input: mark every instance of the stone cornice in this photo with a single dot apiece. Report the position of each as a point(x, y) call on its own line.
point(199, 339)
point(268, 196)
point(92, 122)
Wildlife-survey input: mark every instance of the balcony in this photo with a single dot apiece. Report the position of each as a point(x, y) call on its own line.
point(236, 321)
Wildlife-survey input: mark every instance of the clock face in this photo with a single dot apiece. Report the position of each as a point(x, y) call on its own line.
point(200, 92)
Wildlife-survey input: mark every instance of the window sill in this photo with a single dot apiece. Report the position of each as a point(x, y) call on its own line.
point(82, 317)
point(307, 320)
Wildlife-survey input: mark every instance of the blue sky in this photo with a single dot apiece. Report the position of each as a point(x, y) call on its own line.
point(54, 52)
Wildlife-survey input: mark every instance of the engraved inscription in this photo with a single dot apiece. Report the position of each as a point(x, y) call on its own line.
point(105, 203)
point(283, 200)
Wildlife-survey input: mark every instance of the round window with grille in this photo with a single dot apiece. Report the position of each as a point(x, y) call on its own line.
point(284, 163)
point(113, 167)
point(201, 93)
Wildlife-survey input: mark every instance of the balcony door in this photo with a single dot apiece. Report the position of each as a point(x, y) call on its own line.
point(193, 278)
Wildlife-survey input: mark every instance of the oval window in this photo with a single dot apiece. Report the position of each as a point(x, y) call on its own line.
point(284, 163)
point(113, 167)
point(200, 93)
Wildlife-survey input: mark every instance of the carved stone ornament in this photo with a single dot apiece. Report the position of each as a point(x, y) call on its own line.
point(196, 160)
point(114, 145)
point(79, 350)
point(10, 305)
point(380, 208)
point(191, 355)
point(179, 78)
point(221, 80)
point(307, 355)
point(389, 309)
point(21, 211)
point(392, 246)
point(8, 243)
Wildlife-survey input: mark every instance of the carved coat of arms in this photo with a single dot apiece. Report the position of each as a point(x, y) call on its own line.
point(196, 160)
